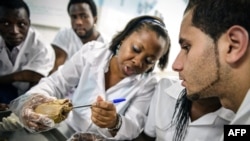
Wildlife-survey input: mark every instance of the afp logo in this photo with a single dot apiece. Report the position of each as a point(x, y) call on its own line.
point(241, 132)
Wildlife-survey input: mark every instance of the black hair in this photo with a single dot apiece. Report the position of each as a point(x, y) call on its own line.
point(181, 115)
point(191, 4)
point(214, 17)
point(91, 4)
point(151, 22)
point(15, 4)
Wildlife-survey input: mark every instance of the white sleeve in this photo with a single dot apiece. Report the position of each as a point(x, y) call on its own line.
point(135, 116)
point(67, 76)
point(63, 80)
point(61, 39)
point(43, 61)
point(55, 85)
point(58, 84)
point(36, 55)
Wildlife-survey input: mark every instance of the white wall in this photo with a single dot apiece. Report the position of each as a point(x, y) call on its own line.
point(113, 16)
point(171, 11)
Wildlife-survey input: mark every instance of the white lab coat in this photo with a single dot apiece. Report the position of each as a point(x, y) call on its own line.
point(87, 70)
point(206, 128)
point(33, 55)
point(69, 42)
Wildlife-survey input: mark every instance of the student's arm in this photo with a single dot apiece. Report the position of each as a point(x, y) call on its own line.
point(144, 137)
point(24, 76)
point(61, 56)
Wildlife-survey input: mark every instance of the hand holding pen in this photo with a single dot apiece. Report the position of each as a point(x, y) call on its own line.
point(104, 113)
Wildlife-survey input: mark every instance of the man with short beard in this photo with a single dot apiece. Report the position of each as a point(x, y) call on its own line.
point(83, 16)
point(214, 60)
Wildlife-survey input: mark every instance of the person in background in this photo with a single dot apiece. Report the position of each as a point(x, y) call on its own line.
point(103, 72)
point(24, 57)
point(83, 16)
point(173, 117)
point(216, 33)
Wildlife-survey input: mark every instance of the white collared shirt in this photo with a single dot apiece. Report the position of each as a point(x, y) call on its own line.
point(86, 70)
point(206, 128)
point(69, 42)
point(14, 53)
point(33, 55)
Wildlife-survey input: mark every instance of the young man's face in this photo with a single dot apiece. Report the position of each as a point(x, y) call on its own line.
point(14, 25)
point(82, 20)
point(197, 62)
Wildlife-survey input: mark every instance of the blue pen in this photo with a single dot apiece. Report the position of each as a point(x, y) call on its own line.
point(118, 100)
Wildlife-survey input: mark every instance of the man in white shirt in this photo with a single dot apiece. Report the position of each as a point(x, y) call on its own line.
point(83, 15)
point(214, 59)
point(24, 58)
point(173, 117)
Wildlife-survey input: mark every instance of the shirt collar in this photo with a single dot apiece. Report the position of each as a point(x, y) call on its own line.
point(211, 118)
point(19, 46)
point(175, 89)
point(3, 45)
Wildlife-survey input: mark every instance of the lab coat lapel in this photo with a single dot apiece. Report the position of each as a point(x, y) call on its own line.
point(5, 63)
point(22, 56)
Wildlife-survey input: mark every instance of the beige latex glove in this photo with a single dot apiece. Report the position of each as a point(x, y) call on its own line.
point(10, 123)
point(32, 121)
point(24, 107)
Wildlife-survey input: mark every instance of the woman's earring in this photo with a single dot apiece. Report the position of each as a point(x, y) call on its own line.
point(117, 49)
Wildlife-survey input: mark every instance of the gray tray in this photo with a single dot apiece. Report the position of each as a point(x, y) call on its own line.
point(24, 135)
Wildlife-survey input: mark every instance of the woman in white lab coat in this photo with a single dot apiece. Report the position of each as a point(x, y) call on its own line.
point(121, 69)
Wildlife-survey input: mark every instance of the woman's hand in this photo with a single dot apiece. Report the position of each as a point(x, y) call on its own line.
point(104, 113)
point(33, 121)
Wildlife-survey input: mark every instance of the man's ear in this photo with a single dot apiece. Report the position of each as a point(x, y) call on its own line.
point(238, 43)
